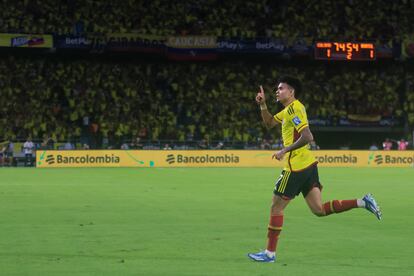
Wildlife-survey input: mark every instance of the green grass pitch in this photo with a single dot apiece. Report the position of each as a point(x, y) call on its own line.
point(197, 222)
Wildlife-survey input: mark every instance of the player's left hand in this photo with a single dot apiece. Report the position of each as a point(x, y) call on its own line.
point(279, 155)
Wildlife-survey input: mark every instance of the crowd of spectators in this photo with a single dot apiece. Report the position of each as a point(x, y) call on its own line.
point(348, 19)
point(106, 102)
point(409, 101)
point(388, 144)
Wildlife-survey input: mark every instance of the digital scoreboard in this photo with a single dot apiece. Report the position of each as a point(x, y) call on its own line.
point(347, 51)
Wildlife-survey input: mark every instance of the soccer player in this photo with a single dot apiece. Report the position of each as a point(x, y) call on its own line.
point(300, 173)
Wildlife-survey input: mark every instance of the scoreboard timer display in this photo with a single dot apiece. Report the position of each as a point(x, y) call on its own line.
point(347, 51)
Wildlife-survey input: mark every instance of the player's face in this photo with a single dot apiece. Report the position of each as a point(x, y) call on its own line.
point(283, 92)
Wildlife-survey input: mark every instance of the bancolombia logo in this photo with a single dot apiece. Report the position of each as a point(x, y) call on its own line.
point(226, 158)
point(378, 159)
point(388, 159)
point(87, 159)
point(337, 159)
point(50, 159)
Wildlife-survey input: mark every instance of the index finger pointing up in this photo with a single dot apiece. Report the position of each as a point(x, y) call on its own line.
point(261, 89)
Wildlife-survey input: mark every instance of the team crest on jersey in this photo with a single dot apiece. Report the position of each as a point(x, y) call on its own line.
point(296, 121)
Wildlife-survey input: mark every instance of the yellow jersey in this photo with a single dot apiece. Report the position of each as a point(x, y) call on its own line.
point(294, 119)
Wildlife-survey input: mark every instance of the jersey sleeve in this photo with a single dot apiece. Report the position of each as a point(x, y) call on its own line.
point(299, 118)
point(279, 117)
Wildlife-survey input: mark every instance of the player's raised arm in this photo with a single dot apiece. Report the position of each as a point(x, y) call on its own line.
point(268, 119)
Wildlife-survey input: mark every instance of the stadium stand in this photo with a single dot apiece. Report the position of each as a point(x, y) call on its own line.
point(116, 99)
point(284, 19)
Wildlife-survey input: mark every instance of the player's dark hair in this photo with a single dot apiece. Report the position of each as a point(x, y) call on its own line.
point(292, 82)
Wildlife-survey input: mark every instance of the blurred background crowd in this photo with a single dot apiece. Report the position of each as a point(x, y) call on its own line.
point(287, 19)
point(108, 102)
